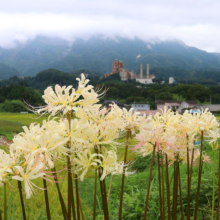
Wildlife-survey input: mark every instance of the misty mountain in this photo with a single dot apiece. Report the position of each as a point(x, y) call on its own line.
point(8, 71)
point(98, 53)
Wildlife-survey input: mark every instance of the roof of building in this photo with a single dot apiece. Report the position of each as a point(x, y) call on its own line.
point(108, 102)
point(140, 103)
point(150, 112)
point(162, 102)
point(211, 107)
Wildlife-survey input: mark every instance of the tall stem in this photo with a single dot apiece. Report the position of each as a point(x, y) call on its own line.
point(69, 116)
point(104, 198)
point(149, 181)
point(109, 191)
point(63, 206)
point(181, 201)
point(199, 178)
point(77, 196)
point(188, 183)
point(175, 191)
point(218, 186)
point(0, 214)
point(161, 209)
point(80, 207)
point(22, 200)
point(72, 198)
point(5, 202)
point(123, 175)
point(46, 200)
point(94, 208)
point(213, 191)
point(168, 190)
point(163, 196)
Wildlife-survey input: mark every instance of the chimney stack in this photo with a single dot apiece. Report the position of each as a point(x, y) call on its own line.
point(148, 73)
point(141, 71)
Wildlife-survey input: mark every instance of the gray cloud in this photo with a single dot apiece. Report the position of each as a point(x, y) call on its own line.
point(194, 22)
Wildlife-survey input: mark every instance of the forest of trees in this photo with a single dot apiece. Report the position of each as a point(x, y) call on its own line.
point(14, 91)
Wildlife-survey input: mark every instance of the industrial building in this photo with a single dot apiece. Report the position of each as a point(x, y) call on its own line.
point(118, 66)
point(148, 78)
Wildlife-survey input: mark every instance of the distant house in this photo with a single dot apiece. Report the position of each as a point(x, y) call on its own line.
point(150, 112)
point(140, 106)
point(212, 107)
point(107, 103)
point(175, 104)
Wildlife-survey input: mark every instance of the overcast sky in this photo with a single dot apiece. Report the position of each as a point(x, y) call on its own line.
point(195, 22)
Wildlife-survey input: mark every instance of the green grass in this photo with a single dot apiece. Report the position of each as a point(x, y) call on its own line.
point(134, 192)
point(11, 123)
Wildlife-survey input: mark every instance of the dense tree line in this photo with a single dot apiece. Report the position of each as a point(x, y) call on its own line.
point(50, 77)
point(128, 92)
point(12, 97)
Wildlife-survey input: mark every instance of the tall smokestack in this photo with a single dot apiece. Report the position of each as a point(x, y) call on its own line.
point(141, 71)
point(148, 73)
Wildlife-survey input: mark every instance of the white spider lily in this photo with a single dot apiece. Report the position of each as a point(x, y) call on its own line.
point(27, 175)
point(84, 161)
point(108, 161)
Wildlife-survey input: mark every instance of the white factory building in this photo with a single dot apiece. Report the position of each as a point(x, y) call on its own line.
point(148, 79)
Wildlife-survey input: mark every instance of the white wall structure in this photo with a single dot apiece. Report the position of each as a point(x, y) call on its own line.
point(171, 80)
point(140, 106)
point(123, 74)
point(144, 81)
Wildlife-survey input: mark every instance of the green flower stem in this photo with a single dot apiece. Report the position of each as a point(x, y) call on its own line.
point(94, 207)
point(81, 211)
point(213, 191)
point(104, 198)
point(199, 179)
point(73, 202)
point(63, 206)
point(218, 187)
point(69, 116)
point(123, 175)
point(168, 189)
point(46, 200)
point(163, 196)
point(5, 202)
point(188, 183)
point(77, 195)
point(109, 191)
point(175, 191)
point(0, 214)
point(22, 200)
point(149, 181)
point(159, 180)
point(181, 201)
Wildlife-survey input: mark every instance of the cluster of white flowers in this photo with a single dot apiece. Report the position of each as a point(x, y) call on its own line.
point(90, 136)
point(173, 134)
point(77, 127)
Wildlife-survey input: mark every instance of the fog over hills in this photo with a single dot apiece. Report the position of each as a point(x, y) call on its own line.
point(97, 54)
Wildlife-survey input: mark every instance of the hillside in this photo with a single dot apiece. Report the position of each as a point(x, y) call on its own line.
point(8, 71)
point(97, 54)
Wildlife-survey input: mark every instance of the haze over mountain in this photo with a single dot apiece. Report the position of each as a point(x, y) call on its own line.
point(98, 53)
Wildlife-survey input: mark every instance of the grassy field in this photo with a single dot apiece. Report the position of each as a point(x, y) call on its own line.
point(134, 192)
point(11, 123)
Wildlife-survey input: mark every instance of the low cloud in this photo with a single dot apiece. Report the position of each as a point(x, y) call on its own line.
point(193, 22)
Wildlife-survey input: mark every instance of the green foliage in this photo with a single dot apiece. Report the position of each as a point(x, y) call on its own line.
point(13, 106)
